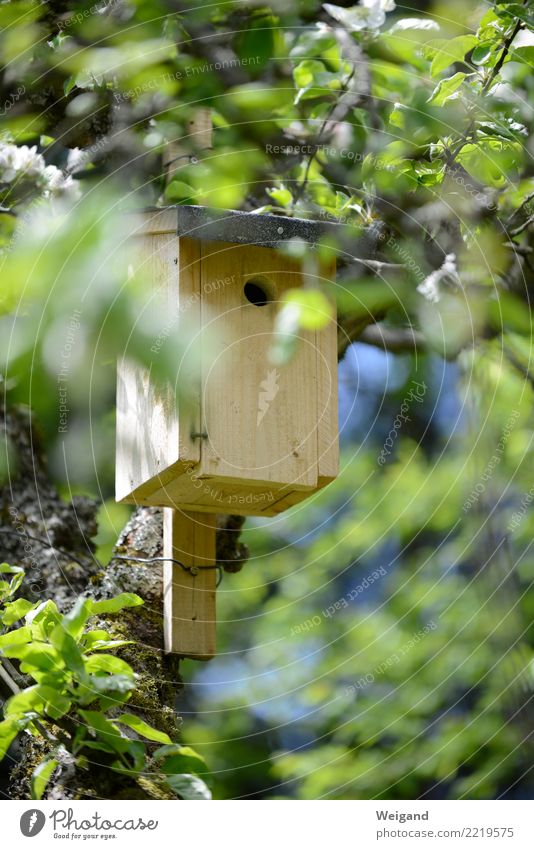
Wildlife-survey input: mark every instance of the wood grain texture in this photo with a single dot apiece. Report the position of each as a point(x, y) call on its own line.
point(327, 393)
point(154, 433)
point(261, 420)
point(146, 413)
point(272, 432)
point(154, 222)
point(189, 600)
point(199, 138)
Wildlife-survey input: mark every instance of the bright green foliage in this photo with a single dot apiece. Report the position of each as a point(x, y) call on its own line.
point(387, 655)
point(412, 129)
point(77, 690)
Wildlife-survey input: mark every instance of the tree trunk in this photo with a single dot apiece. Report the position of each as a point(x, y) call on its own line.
point(52, 540)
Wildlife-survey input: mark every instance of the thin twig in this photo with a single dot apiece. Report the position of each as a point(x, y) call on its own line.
point(521, 207)
point(518, 365)
point(523, 226)
point(26, 535)
point(487, 85)
point(394, 340)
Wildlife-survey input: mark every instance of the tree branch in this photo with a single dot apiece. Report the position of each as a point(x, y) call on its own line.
point(393, 339)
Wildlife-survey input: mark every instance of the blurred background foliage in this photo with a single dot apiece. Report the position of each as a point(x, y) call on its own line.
point(411, 126)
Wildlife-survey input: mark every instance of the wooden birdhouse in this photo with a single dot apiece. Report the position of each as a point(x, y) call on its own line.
point(235, 434)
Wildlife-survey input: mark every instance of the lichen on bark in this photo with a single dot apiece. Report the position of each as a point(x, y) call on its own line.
point(52, 540)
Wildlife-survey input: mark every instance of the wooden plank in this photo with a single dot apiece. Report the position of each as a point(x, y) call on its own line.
point(154, 442)
point(189, 599)
point(146, 413)
point(199, 138)
point(154, 222)
point(187, 298)
point(248, 498)
point(261, 419)
point(327, 394)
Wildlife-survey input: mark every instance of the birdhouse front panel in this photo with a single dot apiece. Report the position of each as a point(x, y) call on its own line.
point(246, 436)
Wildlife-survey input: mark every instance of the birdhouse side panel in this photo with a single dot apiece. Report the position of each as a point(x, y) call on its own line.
point(154, 442)
point(327, 391)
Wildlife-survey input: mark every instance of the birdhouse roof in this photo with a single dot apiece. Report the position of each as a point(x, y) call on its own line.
point(247, 228)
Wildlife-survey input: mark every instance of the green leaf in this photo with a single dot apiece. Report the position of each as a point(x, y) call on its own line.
point(430, 173)
point(106, 730)
point(68, 85)
point(524, 13)
point(315, 310)
point(397, 116)
point(482, 53)
point(35, 655)
point(188, 786)
point(41, 776)
point(104, 645)
point(108, 663)
point(178, 191)
point(15, 610)
point(112, 689)
point(449, 52)
point(143, 728)
point(43, 618)
point(178, 759)
point(285, 336)
point(9, 588)
point(313, 42)
point(313, 80)
point(447, 89)
point(75, 620)
point(491, 160)
point(523, 54)
point(37, 699)
point(91, 637)
point(281, 195)
point(136, 751)
point(9, 728)
point(113, 605)
point(68, 649)
point(16, 638)
point(7, 569)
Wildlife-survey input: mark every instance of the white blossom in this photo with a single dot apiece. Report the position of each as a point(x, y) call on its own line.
point(445, 277)
point(25, 163)
point(370, 14)
point(76, 159)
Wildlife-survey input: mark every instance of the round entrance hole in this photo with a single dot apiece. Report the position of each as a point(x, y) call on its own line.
point(257, 292)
